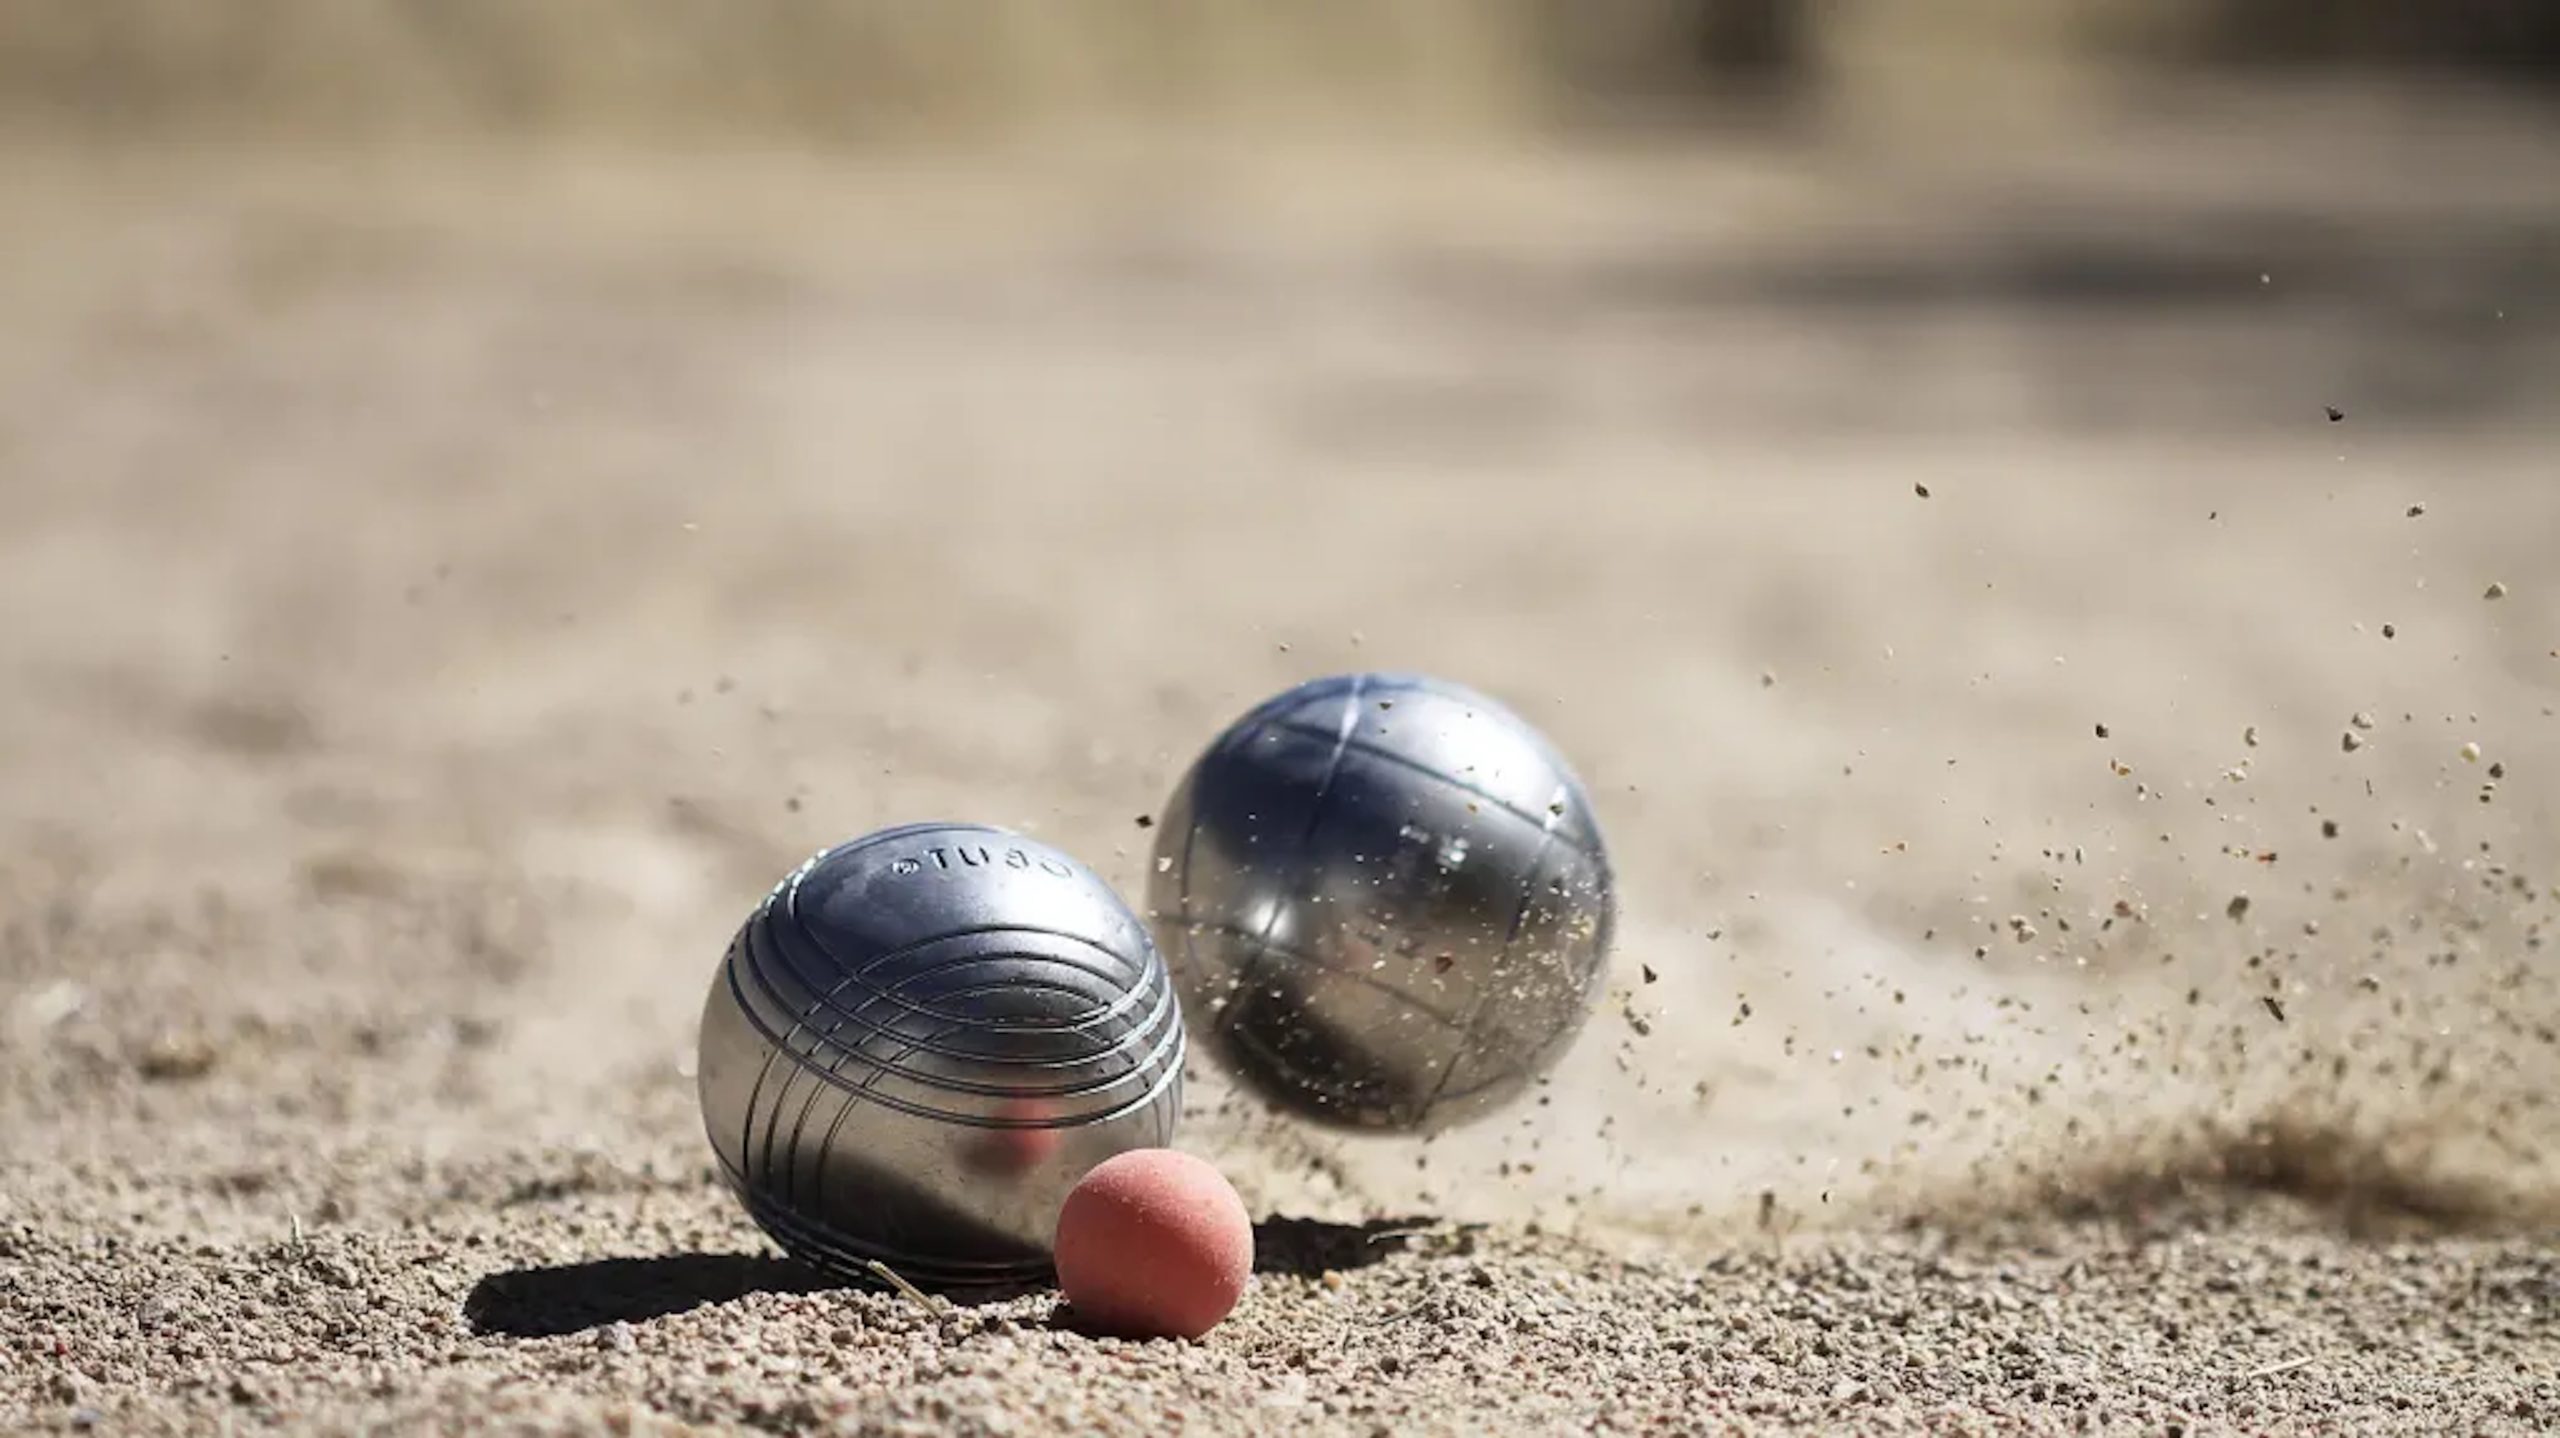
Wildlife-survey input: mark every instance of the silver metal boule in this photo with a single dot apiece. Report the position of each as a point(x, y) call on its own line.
point(921, 1040)
point(1385, 901)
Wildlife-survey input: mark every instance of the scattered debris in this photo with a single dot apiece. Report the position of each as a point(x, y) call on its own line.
point(2272, 1369)
point(891, 1277)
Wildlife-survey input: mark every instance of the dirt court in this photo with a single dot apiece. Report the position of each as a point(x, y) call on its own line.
point(2085, 812)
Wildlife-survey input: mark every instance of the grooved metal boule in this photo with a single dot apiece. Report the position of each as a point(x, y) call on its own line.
point(920, 1041)
point(1385, 901)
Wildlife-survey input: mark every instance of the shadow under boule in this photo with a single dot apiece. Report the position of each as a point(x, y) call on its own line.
point(548, 1302)
point(1308, 1247)
point(575, 1297)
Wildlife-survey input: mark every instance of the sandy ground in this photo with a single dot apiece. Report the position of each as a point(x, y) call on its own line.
point(2075, 975)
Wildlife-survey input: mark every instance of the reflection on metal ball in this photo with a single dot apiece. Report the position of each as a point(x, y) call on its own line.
point(921, 1040)
point(1385, 900)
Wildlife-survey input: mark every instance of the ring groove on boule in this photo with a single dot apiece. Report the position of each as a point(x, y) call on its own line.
point(828, 1003)
point(829, 998)
point(874, 961)
point(1171, 1037)
point(890, 995)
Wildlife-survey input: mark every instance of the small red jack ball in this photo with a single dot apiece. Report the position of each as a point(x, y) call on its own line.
point(1154, 1244)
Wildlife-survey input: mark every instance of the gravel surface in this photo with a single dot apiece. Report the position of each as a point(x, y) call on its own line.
point(2205, 1329)
point(2083, 804)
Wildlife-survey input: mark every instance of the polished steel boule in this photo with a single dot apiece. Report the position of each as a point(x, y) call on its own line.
point(920, 1041)
point(1385, 901)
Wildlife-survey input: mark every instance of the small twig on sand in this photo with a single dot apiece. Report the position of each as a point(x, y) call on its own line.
point(922, 1300)
point(2272, 1369)
point(1387, 1235)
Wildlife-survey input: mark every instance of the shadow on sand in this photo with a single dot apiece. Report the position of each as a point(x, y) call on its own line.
point(571, 1298)
point(1307, 1247)
point(576, 1297)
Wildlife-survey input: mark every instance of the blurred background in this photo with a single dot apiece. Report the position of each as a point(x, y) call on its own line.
point(866, 70)
point(2034, 518)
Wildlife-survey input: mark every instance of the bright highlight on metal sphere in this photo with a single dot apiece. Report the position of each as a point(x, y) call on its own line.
point(922, 1039)
point(1385, 900)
